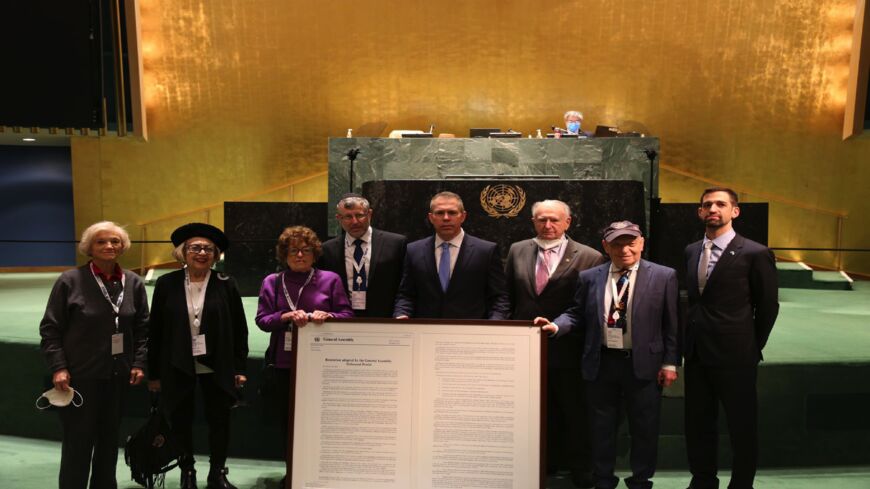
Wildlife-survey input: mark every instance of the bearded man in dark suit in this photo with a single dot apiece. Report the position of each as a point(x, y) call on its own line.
point(733, 305)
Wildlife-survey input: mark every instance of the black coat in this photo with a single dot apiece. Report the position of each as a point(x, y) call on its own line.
point(556, 297)
point(728, 325)
point(170, 356)
point(384, 272)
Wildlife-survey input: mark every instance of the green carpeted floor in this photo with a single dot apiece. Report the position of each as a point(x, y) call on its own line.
point(814, 326)
point(31, 464)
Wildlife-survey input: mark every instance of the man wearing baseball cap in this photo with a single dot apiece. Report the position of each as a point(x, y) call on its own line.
point(628, 308)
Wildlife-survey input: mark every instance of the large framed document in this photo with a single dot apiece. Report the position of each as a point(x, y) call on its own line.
point(418, 404)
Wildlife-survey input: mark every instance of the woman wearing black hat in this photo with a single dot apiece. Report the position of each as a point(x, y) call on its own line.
point(198, 335)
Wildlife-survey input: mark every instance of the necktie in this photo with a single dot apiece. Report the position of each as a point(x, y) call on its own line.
point(444, 266)
point(542, 273)
point(359, 277)
point(703, 265)
point(619, 311)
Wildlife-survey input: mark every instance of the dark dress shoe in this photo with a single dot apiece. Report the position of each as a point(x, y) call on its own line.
point(217, 479)
point(188, 479)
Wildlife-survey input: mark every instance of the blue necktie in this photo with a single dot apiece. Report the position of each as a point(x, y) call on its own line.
point(359, 278)
point(444, 266)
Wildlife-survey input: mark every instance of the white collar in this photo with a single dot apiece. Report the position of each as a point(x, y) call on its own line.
point(615, 269)
point(366, 238)
point(456, 241)
point(547, 244)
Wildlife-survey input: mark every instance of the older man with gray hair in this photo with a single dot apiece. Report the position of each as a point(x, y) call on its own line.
point(541, 276)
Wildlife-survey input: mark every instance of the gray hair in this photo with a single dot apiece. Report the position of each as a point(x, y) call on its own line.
point(447, 195)
point(573, 113)
point(551, 202)
point(178, 251)
point(91, 232)
point(352, 202)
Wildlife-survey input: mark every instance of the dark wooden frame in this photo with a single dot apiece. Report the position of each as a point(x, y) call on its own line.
point(542, 468)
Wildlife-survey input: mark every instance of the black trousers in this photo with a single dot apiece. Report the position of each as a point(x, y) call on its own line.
point(616, 386)
point(567, 427)
point(282, 405)
point(216, 405)
point(735, 389)
point(90, 434)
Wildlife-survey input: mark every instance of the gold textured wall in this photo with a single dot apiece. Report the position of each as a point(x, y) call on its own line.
point(241, 96)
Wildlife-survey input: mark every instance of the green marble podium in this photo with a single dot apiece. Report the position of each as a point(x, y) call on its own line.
point(618, 158)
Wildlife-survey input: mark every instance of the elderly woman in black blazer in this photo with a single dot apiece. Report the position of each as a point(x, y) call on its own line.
point(198, 335)
point(93, 338)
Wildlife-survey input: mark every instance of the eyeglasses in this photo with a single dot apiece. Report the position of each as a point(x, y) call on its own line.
point(197, 249)
point(351, 217)
point(305, 251)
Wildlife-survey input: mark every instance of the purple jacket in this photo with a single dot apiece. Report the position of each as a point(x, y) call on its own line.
point(325, 293)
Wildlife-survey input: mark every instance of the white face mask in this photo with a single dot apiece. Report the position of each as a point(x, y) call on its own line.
point(59, 398)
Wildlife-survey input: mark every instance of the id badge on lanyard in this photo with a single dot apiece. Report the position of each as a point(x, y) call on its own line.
point(288, 334)
point(117, 336)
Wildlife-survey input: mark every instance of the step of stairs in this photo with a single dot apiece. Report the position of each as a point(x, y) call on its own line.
point(797, 275)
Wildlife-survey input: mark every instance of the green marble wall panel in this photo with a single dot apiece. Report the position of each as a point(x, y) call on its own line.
point(438, 159)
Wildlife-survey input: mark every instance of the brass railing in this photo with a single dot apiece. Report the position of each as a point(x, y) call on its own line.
point(206, 214)
point(840, 216)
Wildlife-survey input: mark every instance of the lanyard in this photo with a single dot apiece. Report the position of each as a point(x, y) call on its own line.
point(116, 308)
point(298, 296)
point(195, 303)
point(617, 296)
point(358, 267)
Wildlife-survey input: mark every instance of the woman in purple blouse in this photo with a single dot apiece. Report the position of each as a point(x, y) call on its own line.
point(296, 295)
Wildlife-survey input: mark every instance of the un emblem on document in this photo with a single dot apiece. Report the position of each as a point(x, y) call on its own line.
point(502, 200)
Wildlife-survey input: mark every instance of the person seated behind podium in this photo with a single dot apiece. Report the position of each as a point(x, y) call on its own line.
point(368, 260)
point(198, 334)
point(451, 275)
point(77, 330)
point(294, 296)
point(573, 120)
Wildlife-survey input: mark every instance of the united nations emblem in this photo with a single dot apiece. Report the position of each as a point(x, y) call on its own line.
point(502, 200)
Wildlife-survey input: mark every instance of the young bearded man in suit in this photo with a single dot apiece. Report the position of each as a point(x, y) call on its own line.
point(733, 305)
point(368, 260)
point(541, 275)
point(451, 275)
point(627, 311)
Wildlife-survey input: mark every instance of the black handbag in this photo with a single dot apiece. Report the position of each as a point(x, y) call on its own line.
point(151, 451)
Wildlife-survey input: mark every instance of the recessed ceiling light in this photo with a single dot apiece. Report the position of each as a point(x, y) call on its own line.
point(29, 140)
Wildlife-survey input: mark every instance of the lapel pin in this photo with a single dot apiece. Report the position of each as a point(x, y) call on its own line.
point(732, 252)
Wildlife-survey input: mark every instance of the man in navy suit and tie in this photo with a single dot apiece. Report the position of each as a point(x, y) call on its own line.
point(541, 276)
point(451, 275)
point(627, 311)
point(368, 260)
point(733, 305)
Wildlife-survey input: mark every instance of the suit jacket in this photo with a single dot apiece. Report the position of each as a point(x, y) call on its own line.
point(170, 356)
point(653, 318)
point(729, 324)
point(556, 297)
point(383, 273)
point(476, 289)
